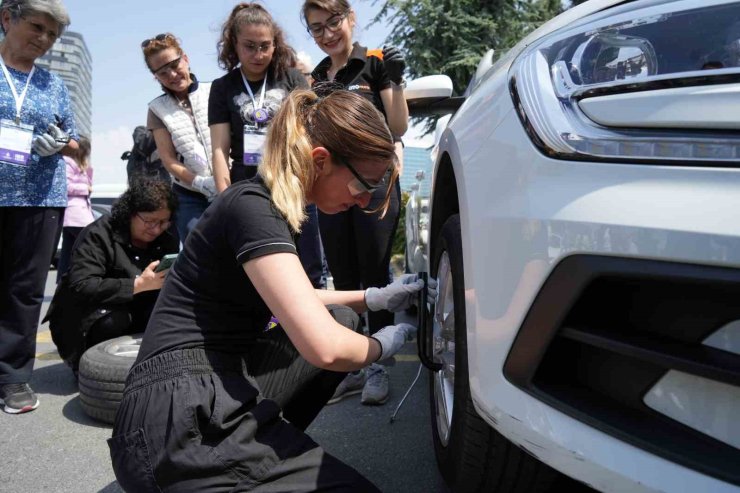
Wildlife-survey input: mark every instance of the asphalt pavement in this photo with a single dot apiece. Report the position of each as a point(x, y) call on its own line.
point(58, 448)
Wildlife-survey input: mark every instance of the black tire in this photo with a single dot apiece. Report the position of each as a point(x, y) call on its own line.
point(102, 376)
point(476, 458)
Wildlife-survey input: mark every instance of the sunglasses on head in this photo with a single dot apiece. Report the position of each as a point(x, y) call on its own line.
point(158, 37)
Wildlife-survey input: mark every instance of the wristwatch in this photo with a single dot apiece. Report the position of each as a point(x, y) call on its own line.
point(401, 84)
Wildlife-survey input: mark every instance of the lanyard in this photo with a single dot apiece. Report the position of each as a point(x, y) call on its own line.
point(251, 94)
point(18, 99)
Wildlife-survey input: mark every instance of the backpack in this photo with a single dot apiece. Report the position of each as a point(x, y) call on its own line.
point(143, 159)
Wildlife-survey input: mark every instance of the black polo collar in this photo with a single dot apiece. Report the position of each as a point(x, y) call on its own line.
point(357, 55)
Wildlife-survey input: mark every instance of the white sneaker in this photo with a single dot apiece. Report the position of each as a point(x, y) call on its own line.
point(376, 391)
point(351, 385)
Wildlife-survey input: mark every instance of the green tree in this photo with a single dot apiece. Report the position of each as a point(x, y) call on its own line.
point(450, 36)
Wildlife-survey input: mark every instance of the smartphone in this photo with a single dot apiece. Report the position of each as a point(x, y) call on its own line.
point(166, 262)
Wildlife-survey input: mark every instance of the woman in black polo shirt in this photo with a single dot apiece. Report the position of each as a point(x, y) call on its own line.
point(202, 405)
point(358, 245)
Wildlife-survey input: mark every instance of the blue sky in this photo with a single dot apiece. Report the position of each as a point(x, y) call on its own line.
point(122, 86)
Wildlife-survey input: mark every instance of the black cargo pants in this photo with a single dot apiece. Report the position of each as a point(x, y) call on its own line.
point(196, 420)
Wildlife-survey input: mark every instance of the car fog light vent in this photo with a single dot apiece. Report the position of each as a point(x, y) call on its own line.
point(705, 405)
point(632, 51)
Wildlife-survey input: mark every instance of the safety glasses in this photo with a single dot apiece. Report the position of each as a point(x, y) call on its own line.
point(360, 185)
point(168, 67)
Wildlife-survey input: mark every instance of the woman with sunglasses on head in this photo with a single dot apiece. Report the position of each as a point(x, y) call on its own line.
point(358, 245)
point(37, 127)
point(111, 285)
point(219, 396)
point(178, 120)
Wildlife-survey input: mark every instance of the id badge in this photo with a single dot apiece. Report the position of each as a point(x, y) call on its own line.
point(254, 142)
point(15, 142)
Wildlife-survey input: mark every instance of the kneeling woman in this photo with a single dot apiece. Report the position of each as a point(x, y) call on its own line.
point(111, 285)
point(219, 398)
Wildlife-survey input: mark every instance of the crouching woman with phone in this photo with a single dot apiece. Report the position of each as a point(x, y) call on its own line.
point(113, 280)
point(219, 398)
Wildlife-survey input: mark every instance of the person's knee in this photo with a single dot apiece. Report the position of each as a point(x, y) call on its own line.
point(115, 323)
point(345, 316)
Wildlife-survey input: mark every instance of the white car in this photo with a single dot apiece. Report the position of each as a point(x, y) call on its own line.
point(584, 226)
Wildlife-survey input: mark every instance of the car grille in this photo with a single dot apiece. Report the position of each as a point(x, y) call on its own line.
point(603, 330)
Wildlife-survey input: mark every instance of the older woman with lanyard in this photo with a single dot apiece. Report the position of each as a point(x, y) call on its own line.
point(36, 124)
point(217, 400)
point(357, 244)
point(178, 120)
point(244, 101)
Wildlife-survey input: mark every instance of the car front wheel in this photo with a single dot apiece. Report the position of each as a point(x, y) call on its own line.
point(472, 456)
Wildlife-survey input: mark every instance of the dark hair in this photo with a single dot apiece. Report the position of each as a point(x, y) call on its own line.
point(252, 13)
point(143, 195)
point(159, 43)
point(334, 7)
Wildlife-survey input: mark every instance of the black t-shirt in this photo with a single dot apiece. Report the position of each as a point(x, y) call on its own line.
point(363, 74)
point(208, 300)
point(229, 102)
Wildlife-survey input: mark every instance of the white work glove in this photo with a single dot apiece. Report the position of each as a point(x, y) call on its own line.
point(51, 142)
point(392, 338)
point(205, 185)
point(397, 296)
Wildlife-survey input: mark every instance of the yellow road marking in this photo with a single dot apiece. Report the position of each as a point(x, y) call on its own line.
point(52, 356)
point(44, 336)
point(406, 357)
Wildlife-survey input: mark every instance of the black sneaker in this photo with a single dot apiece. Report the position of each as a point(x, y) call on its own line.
point(18, 398)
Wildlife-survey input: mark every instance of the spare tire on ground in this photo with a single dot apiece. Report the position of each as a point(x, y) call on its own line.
point(102, 375)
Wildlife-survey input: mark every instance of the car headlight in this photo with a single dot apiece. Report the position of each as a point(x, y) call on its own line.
point(656, 81)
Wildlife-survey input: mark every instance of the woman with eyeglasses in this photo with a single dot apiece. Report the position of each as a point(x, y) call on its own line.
point(37, 127)
point(358, 245)
point(244, 101)
point(178, 120)
point(219, 396)
point(111, 286)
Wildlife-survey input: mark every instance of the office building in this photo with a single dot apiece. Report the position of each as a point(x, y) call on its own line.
point(416, 159)
point(70, 59)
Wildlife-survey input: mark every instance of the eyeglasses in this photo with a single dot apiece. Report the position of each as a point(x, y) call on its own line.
point(333, 24)
point(258, 48)
point(360, 185)
point(40, 29)
point(158, 37)
point(167, 67)
point(153, 223)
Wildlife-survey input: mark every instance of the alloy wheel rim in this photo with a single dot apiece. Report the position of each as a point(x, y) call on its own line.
point(127, 349)
point(443, 349)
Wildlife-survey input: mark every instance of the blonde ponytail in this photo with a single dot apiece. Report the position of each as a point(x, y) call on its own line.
point(287, 163)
